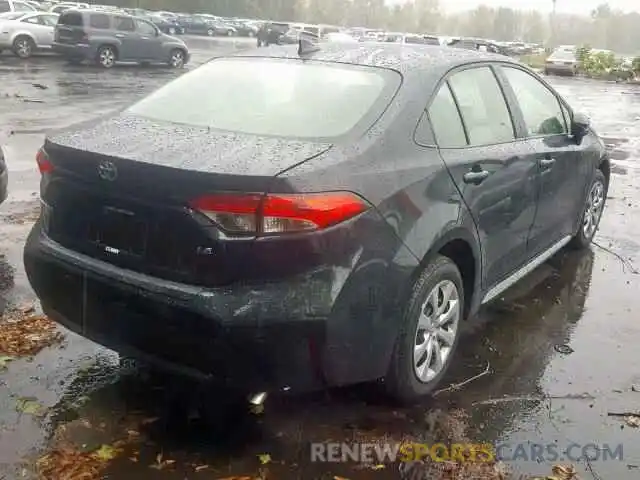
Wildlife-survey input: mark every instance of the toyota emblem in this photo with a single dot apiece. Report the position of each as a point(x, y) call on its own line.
point(107, 171)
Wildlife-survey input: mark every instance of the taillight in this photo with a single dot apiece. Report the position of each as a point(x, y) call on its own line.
point(279, 213)
point(44, 164)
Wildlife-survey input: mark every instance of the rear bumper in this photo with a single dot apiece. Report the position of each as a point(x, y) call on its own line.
point(560, 69)
point(255, 338)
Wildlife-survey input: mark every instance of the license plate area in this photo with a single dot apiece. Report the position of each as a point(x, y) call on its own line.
point(119, 231)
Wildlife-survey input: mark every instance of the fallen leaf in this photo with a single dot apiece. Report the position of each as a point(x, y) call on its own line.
point(30, 406)
point(264, 458)
point(564, 472)
point(27, 336)
point(632, 421)
point(4, 360)
point(106, 453)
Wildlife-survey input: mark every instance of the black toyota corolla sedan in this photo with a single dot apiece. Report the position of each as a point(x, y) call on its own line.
point(324, 216)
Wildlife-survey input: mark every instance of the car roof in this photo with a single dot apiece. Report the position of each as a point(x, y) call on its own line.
point(408, 59)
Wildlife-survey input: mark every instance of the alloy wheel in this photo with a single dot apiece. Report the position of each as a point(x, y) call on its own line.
point(436, 331)
point(593, 209)
point(177, 59)
point(107, 57)
point(23, 48)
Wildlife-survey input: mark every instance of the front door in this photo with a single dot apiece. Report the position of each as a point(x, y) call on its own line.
point(129, 44)
point(150, 42)
point(564, 174)
point(493, 170)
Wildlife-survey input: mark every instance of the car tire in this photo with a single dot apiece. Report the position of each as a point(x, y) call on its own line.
point(177, 58)
point(107, 56)
point(23, 46)
point(591, 212)
point(210, 32)
point(437, 293)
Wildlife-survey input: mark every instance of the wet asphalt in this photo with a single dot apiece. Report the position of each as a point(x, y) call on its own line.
point(561, 345)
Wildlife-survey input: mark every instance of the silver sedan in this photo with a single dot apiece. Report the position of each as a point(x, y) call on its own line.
point(26, 33)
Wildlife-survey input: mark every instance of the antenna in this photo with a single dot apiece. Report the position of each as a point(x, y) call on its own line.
point(307, 43)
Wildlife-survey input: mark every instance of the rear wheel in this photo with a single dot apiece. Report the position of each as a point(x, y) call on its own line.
point(106, 57)
point(210, 32)
point(429, 332)
point(592, 212)
point(23, 46)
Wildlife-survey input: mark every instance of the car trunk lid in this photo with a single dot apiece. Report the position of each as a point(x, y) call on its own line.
point(123, 197)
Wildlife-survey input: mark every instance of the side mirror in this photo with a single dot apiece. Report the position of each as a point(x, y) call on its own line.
point(580, 125)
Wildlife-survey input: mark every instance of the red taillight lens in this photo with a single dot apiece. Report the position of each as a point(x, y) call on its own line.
point(279, 213)
point(44, 164)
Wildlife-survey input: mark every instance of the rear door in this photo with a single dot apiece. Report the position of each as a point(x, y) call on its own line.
point(564, 175)
point(492, 169)
point(42, 27)
point(70, 28)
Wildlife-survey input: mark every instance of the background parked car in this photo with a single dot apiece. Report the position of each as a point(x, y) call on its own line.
point(28, 33)
point(167, 25)
point(61, 7)
point(245, 29)
point(195, 25)
point(16, 6)
point(562, 61)
point(106, 38)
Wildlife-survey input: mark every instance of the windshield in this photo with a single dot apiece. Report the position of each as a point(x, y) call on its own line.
point(263, 96)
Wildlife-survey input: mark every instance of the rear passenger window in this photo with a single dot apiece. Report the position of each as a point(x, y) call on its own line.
point(445, 120)
point(125, 24)
point(100, 21)
point(484, 110)
point(540, 107)
point(4, 6)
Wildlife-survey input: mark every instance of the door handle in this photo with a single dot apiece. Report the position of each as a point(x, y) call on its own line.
point(547, 162)
point(475, 177)
point(120, 35)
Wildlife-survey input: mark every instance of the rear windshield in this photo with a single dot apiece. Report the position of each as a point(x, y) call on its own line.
point(274, 97)
point(72, 19)
point(563, 55)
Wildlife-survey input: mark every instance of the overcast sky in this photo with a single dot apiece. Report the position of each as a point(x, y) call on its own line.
point(565, 6)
